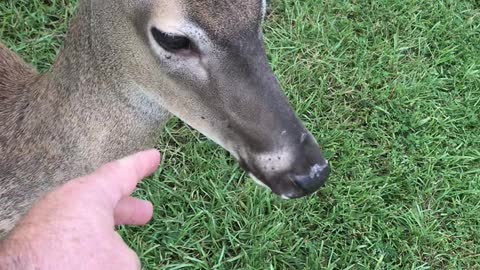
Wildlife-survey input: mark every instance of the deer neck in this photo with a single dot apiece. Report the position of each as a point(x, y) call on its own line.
point(89, 101)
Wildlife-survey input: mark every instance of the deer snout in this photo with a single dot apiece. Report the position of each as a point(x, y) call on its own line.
point(297, 172)
point(310, 182)
point(308, 172)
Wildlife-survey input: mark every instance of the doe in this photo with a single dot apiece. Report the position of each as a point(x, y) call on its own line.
point(125, 68)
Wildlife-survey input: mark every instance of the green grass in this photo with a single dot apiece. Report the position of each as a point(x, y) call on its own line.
point(390, 88)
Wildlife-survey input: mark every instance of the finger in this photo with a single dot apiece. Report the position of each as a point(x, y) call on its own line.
point(128, 258)
point(132, 211)
point(132, 261)
point(119, 178)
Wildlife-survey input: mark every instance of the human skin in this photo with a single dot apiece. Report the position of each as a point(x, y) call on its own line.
point(73, 227)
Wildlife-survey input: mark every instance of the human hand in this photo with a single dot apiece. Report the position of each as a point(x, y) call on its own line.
point(73, 226)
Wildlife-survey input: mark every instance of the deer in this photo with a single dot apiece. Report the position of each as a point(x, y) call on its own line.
point(125, 68)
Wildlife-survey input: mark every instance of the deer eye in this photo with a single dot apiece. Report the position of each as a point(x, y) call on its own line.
point(171, 42)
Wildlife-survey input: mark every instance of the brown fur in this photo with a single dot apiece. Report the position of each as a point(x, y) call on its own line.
point(226, 19)
point(66, 122)
point(11, 66)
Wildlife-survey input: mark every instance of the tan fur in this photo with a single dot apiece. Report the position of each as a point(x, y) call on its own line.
point(169, 15)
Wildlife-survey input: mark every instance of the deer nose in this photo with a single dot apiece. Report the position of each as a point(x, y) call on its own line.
point(304, 173)
point(312, 181)
point(310, 170)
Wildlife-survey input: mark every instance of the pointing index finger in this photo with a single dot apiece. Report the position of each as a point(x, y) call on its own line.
point(119, 178)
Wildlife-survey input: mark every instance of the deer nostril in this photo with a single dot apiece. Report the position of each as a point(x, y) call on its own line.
point(312, 181)
point(318, 170)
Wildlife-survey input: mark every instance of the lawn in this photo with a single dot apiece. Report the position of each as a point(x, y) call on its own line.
point(391, 90)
